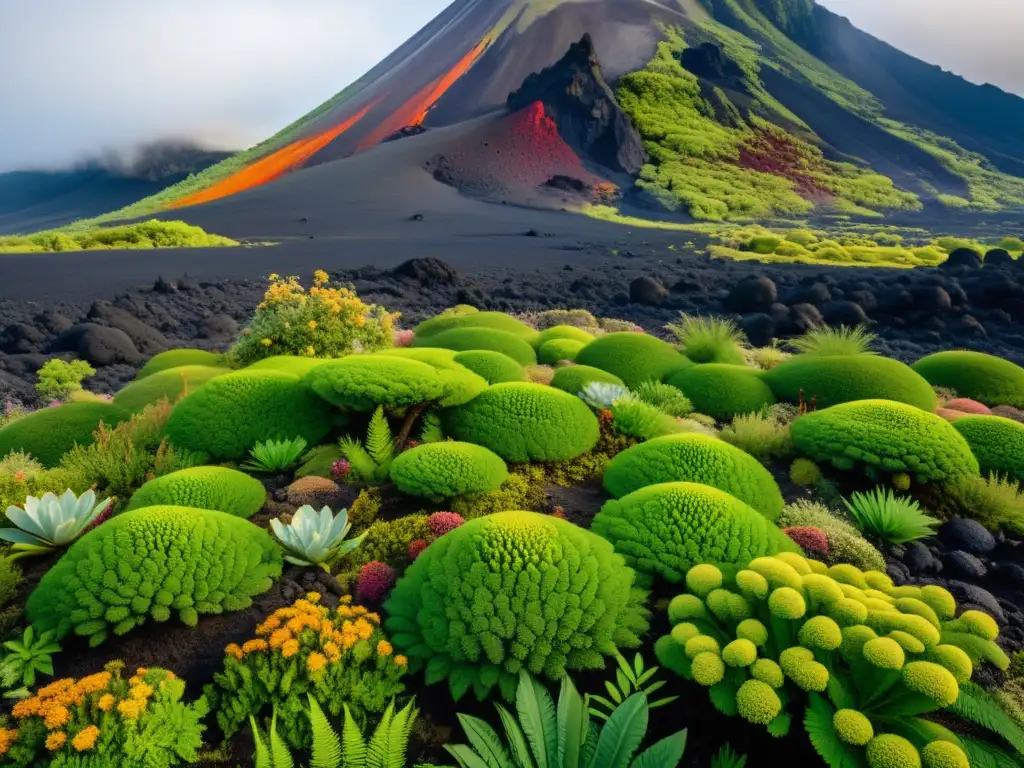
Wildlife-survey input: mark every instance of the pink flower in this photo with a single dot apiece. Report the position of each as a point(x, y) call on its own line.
point(441, 523)
point(375, 581)
point(101, 518)
point(403, 338)
point(812, 540)
point(966, 405)
point(416, 548)
point(340, 469)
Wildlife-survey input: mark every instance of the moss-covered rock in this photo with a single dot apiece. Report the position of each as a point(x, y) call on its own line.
point(723, 391)
point(493, 367)
point(573, 378)
point(633, 357)
point(498, 321)
point(843, 378)
point(170, 385)
point(295, 364)
point(985, 378)
point(218, 488)
point(176, 358)
point(557, 350)
point(448, 469)
point(562, 332)
point(997, 443)
point(49, 433)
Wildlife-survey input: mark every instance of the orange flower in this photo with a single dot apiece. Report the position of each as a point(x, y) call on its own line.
point(7, 737)
point(316, 662)
point(56, 740)
point(290, 648)
point(279, 637)
point(384, 648)
point(400, 660)
point(234, 650)
point(86, 738)
point(106, 702)
point(364, 629)
point(56, 718)
point(332, 651)
point(251, 646)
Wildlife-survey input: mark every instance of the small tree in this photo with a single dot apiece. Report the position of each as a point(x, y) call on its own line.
point(59, 379)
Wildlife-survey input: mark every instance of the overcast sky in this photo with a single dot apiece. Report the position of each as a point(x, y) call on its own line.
point(81, 76)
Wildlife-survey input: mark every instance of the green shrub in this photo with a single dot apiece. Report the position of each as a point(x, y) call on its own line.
point(995, 502)
point(493, 367)
point(217, 488)
point(443, 470)
point(159, 559)
point(573, 378)
point(230, 414)
point(723, 391)
point(497, 321)
point(997, 443)
point(829, 341)
point(694, 458)
point(49, 433)
point(709, 339)
point(886, 516)
point(664, 397)
point(512, 591)
point(835, 379)
point(522, 422)
point(176, 358)
point(633, 357)
point(885, 436)
point(562, 333)
point(294, 364)
point(559, 349)
point(170, 384)
point(665, 529)
point(60, 379)
point(643, 421)
point(761, 435)
point(985, 378)
point(576, 318)
point(464, 339)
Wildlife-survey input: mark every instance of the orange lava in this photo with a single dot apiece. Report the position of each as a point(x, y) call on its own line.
point(415, 110)
point(272, 166)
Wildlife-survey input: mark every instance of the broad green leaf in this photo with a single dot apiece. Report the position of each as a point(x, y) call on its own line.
point(465, 756)
point(485, 741)
point(537, 716)
point(516, 739)
point(622, 734)
point(572, 720)
point(663, 754)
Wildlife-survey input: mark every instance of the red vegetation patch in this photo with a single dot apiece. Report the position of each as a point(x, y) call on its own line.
point(775, 154)
point(272, 166)
point(966, 405)
point(811, 540)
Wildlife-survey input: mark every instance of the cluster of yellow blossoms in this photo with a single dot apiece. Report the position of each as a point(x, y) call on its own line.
point(326, 635)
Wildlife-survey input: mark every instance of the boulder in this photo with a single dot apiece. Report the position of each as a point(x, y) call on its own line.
point(20, 338)
point(961, 565)
point(218, 327)
point(844, 312)
point(759, 328)
point(998, 257)
point(427, 271)
point(647, 290)
point(962, 258)
point(97, 344)
point(966, 535)
point(147, 340)
point(753, 293)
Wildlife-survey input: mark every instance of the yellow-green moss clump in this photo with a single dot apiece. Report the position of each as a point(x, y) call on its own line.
point(176, 358)
point(723, 391)
point(633, 357)
point(465, 339)
point(988, 379)
point(843, 378)
point(49, 433)
point(997, 443)
point(218, 488)
point(169, 384)
point(448, 469)
point(141, 236)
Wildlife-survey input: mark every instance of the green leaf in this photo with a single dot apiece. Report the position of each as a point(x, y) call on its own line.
point(516, 739)
point(326, 744)
point(981, 754)
point(663, 754)
point(262, 755)
point(485, 741)
point(613, 692)
point(723, 697)
point(572, 724)
point(622, 734)
point(278, 749)
point(975, 704)
point(353, 745)
point(780, 725)
point(638, 666)
point(623, 682)
point(727, 758)
point(818, 724)
point(465, 756)
point(537, 715)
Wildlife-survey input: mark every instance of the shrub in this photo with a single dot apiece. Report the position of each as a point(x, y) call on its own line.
point(230, 414)
point(845, 543)
point(338, 656)
point(804, 473)
point(105, 719)
point(636, 418)
point(633, 357)
point(497, 321)
point(709, 339)
point(325, 322)
point(994, 501)
point(177, 358)
point(170, 384)
point(838, 341)
point(723, 391)
point(190, 560)
point(493, 367)
point(559, 349)
point(666, 528)
point(763, 436)
point(811, 540)
point(573, 378)
point(997, 443)
point(561, 333)
point(443, 470)
point(835, 379)
point(49, 433)
point(59, 379)
point(464, 339)
point(664, 397)
point(441, 523)
point(966, 405)
point(523, 422)
point(892, 518)
point(576, 318)
point(985, 378)
point(885, 436)
point(217, 488)
point(694, 459)
point(513, 591)
point(294, 364)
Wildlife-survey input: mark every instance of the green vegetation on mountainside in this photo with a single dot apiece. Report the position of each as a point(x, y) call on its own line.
point(144, 235)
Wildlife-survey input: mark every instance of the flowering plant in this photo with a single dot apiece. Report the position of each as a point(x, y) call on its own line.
point(340, 656)
point(323, 322)
point(140, 720)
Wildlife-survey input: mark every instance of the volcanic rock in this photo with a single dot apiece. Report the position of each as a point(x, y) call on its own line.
point(427, 271)
point(759, 328)
point(218, 327)
point(919, 559)
point(753, 293)
point(97, 344)
point(932, 298)
point(803, 318)
point(962, 258)
point(147, 340)
point(647, 290)
point(977, 597)
point(998, 257)
point(52, 322)
point(707, 60)
point(961, 565)
point(575, 95)
point(967, 535)
point(844, 313)
point(20, 338)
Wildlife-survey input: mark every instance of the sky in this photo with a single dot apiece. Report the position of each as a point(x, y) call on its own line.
point(82, 77)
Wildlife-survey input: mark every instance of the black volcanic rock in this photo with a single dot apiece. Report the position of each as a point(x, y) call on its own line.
point(427, 271)
point(647, 290)
point(998, 257)
point(966, 258)
point(753, 293)
point(97, 344)
point(575, 95)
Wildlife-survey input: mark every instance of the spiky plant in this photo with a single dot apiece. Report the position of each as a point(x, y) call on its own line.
point(371, 460)
point(275, 455)
point(828, 341)
point(883, 514)
point(629, 679)
point(709, 339)
point(726, 758)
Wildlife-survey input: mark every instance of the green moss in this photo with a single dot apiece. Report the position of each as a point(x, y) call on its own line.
point(723, 391)
point(462, 339)
point(49, 433)
point(176, 358)
point(294, 364)
point(633, 357)
point(997, 443)
point(142, 236)
point(556, 350)
point(573, 378)
point(448, 469)
point(985, 378)
point(168, 384)
point(498, 321)
point(494, 367)
point(835, 379)
point(217, 488)
point(563, 332)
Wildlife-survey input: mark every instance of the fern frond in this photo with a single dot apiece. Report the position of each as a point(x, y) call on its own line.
point(326, 745)
point(379, 746)
point(379, 442)
point(398, 736)
point(353, 745)
point(981, 754)
point(977, 705)
point(361, 462)
point(432, 431)
point(263, 759)
point(726, 758)
point(278, 748)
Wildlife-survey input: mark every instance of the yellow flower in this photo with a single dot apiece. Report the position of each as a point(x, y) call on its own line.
point(332, 651)
point(310, 351)
point(363, 628)
point(7, 737)
point(384, 648)
point(320, 277)
point(250, 646)
point(400, 660)
point(130, 708)
point(56, 718)
point(316, 662)
point(312, 324)
point(274, 276)
point(279, 637)
point(86, 738)
point(313, 597)
point(106, 702)
point(266, 342)
point(234, 649)
point(141, 691)
point(290, 648)
point(272, 623)
point(56, 740)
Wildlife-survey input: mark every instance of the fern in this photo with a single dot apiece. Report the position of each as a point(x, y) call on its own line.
point(818, 724)
point(326, 745)
point(726, 758)
point(984, 755)
point(353, 745)
point(432, 431)
point(975, 704)
point(379, 443)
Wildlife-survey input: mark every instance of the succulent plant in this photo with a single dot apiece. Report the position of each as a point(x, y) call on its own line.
point(601, 395)
point(314, 537)
point(51, 522)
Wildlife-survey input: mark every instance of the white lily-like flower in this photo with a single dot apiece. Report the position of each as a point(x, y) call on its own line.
point(51, 522)
point(314, 537)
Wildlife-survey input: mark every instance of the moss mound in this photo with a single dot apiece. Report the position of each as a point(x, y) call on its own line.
point(463, 339)
point(445, 470)
point(721, 390)
point(668, 528)
point(294, 364)
point(886, 436)
point(51, 432)
point(361, 383)
point(497, 321)
point(985, 378)
point(493, 367)
point(523, 422)
point(844, 378)
point(170, 384)
point(563, 333)
point(176, 358)
point(695, 458)
point(555, 350)
point(217, 488)
point(230, 414)
point(633, 357)
point(573, 378)
point(997, 443)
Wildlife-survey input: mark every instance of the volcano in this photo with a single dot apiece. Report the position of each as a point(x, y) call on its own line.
point(710, 109)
